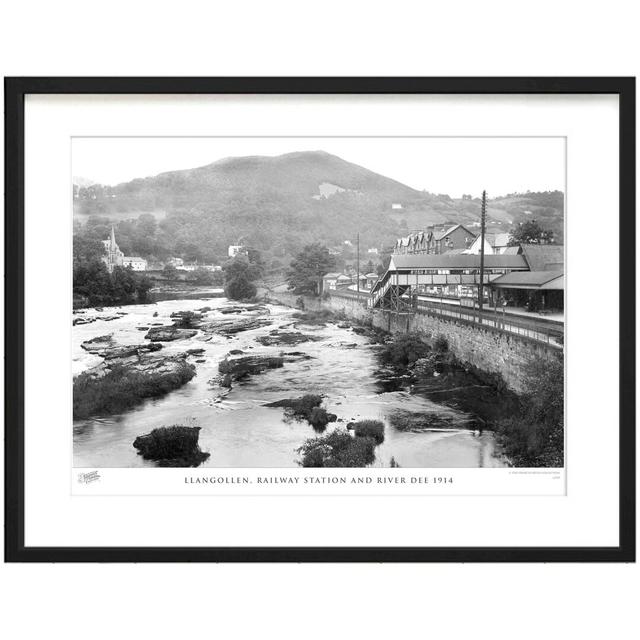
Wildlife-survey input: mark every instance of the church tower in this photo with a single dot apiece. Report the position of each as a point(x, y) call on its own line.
point(114, 257)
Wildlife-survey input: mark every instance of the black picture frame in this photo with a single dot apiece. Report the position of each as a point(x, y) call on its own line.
point(15, 91)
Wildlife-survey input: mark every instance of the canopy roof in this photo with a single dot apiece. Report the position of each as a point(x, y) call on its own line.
point(456, 261)
point(544, 257)
point(530, 280)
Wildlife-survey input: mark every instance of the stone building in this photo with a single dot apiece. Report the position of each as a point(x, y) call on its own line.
point(436, 241)
point(114, 257)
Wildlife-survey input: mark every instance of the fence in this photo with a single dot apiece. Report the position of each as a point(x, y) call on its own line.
point(539, 329)
point(362, 296)
point(543, 330)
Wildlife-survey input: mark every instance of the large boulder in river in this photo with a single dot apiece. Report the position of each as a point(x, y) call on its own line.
point(175, 446)
point(169, 334)
point(129, 351)
point(162, 364)
point(231, 326)
point(239, 368)
point(186, 319)
point(285, 337)
point(98, 344)
point(105, 347)
point(252, 308)
point(144, 361)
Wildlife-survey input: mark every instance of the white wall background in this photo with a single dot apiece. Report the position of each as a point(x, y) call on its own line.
point(329, 38)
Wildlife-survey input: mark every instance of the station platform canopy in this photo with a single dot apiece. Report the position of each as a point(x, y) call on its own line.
point(536, 280)
point(455, 261)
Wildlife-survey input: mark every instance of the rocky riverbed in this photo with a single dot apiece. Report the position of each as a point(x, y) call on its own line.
point(247, 357)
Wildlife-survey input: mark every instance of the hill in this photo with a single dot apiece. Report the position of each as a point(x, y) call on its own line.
point(280, 203)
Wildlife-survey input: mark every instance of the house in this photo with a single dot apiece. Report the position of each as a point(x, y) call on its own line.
point(435, 240)
point(343, 281)
point(178, 263)
point(329, 281)
point(494, 244)
point(396, 206)
point(455, 237)
point(235, 249)
point(135, 262)
point(362, 280)
point(373, 251)
point(371, 279)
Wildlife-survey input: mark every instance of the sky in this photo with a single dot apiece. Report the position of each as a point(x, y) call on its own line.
point(439, 165)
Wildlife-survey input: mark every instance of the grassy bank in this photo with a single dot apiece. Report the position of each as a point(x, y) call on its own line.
point(534, 437)
point(122, 388)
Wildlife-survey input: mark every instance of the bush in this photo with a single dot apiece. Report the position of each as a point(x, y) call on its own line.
point(369, 429)
point(122, 388)
point(306, 408)
point(240, 289)
point(318, 418)
point(337, 449)
point(404, 350)
point(441, 344)
point(93, 282)
point(175, 446)
point(535, 437)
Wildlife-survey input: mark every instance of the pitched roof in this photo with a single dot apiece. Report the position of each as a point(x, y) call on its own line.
point(495, 239)
point(456, 261)
point(544, 257)
point(438, 235)
point(331, 275)
point(512, 250)
point(539, 279)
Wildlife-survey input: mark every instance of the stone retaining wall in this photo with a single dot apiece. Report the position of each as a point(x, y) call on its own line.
point(488, 350)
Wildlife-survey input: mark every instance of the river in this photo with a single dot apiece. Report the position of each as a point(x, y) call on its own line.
point(237, 429)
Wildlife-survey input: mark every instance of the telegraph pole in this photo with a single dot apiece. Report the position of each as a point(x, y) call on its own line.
point(358, 260)
point(483, 217)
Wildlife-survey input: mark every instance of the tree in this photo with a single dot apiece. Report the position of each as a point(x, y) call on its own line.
point(308, 267)
point(170, 272)
point(256, 262)
point(240, 289)
point(92, 280)
point(205, 278)
point(530, 232)
point(382, 268)
point(239, 274)
point(87, 249)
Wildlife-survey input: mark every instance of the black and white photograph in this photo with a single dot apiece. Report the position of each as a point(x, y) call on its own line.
point(287, 302)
